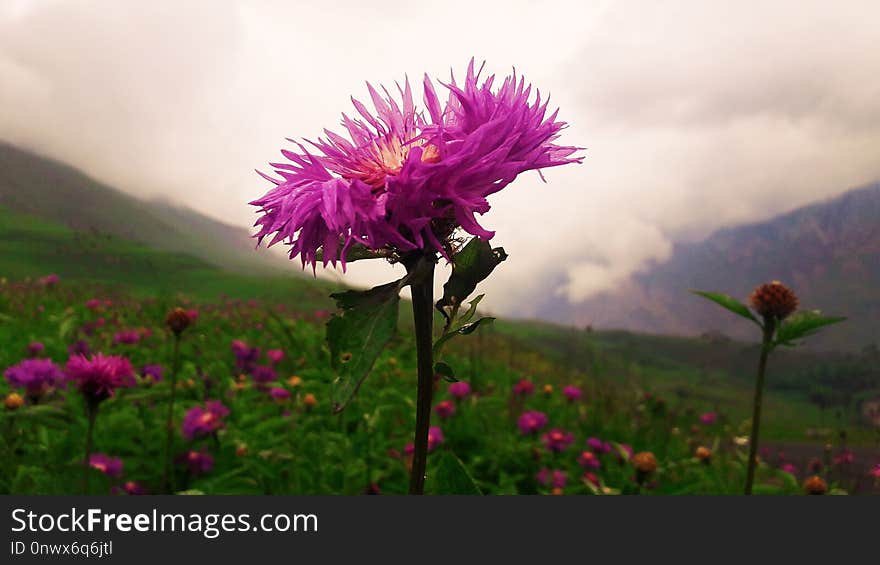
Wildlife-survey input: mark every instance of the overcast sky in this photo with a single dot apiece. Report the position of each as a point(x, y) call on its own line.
point(696, 115)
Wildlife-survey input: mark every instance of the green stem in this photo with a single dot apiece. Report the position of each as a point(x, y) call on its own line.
point(423, 317)
point(167, 475)
point(769, 328)
point(91, 415)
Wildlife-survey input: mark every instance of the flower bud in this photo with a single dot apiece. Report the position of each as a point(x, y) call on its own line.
point(774, 300)
point(815, 485)
point(178, 320)
point(13, 401)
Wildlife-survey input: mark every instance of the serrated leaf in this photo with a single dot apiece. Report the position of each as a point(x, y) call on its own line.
point(450, 476)
point(803, 324)
point(466, 329)
point(470, 266)
point(444, 370)
point(730, 303)
point(357, 333)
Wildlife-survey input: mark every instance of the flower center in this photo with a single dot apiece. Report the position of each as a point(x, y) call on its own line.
point(386, 157)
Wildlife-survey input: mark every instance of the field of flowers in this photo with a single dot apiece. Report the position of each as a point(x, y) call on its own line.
point(252, 411)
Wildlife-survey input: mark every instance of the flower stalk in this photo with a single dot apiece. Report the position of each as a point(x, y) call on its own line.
point(766, 346)
point(91, 416)
point(422, 285)
point(167, 476)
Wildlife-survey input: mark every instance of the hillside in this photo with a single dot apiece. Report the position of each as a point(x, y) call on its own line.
point(828, 252)
point(53, 191)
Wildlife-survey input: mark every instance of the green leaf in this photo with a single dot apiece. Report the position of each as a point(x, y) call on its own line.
point(445, 371)
point(472, 309)
point(801, 325)
point(451, 476)
point(466, 329)
point(357, 333)
point(729, 303)
point(470, 266)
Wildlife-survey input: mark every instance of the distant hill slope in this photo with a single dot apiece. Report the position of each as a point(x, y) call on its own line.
point(828, 252)
point(54, 191)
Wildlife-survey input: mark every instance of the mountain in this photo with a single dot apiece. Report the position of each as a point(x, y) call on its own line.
point(47, 189)
point(828, 252)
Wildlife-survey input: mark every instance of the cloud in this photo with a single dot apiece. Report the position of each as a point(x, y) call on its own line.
point(696, 115)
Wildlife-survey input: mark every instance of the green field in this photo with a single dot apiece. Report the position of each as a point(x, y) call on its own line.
point(644, 391)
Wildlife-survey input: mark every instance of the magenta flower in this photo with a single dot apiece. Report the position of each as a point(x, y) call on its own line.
point(152, 372)
point(275, 356)
point(589, 460)
point(531, 422)
point(624, 453)
point(279, 394)
point(81, 347)
point(404, 179)
point(245, 356)
point(875, 472)
point(789, 468)
point(435, 438)
point(709, 418)
point(35, 349)
point(445, 409)
point(131, 488)
point(598, 446)
point(126, 337)
point(36, 376)
point(50, 281)
point(110, 466)
point(204, 420)
point(555, 478)
point(98, 376)
point(198, 462)
point(572, 393)
point(459, 390)
point(557, 440)
point(845, 457)
point(524, 387)
point(263, 374)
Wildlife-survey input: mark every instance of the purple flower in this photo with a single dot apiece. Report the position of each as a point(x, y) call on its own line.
point(98, 376)
point(275, 356)
point(35, 349)
point(598, 446)
point(36, 376)
point(524, 387)
point(555, 478)
point(557, 440)
point(709, 418)
point(435, 438)
point(445, 409)
point(245, 356)
point(279, 394)
point(49, 281)
point(589, 460)
point(406, 178)
point(81, 347)
point(110, 466)
point(572, 393)
point(130, 488)
point(263, 374)
point(845, 457)
point(198, 462)
point(875, 471)
point(459, 390)
point(152, 372)
point(126, 337)
point(531, 422)
point(789, 468)
point(204, 420)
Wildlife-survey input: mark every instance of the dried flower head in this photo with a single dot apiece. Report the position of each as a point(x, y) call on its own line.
point(13, 401)
point(178, 320)
point(644, 462)
point(703, 453)
point(774, 300)
point(815, 485)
